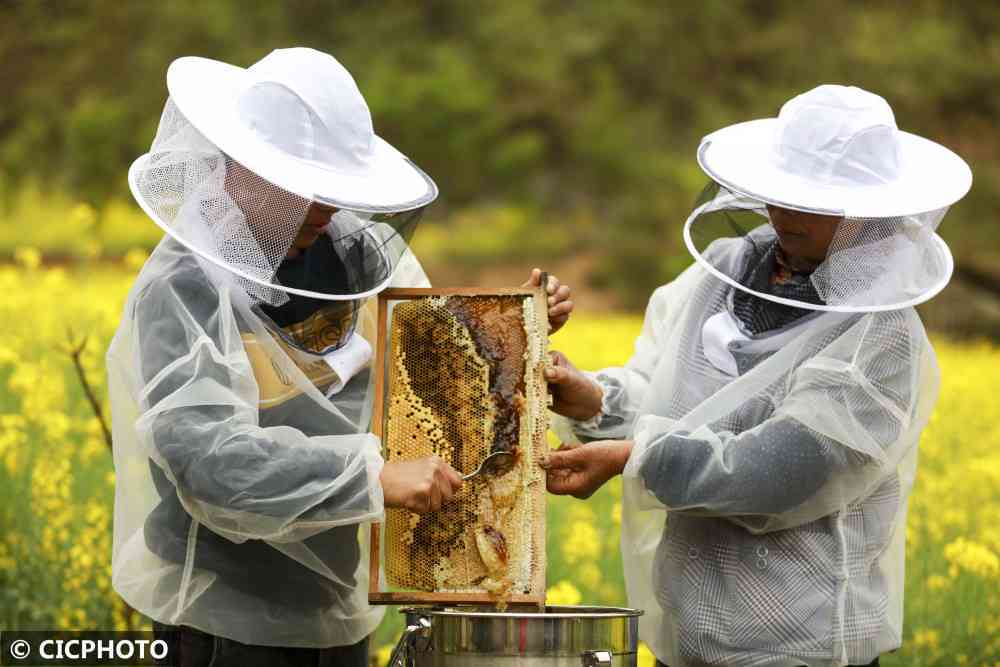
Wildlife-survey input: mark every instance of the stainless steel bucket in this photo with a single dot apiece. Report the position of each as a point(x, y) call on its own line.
point(570, 636)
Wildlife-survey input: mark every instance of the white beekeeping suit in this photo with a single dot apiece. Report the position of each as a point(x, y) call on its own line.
point(239, 375)
point(775, 422)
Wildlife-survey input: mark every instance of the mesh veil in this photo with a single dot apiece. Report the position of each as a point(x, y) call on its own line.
point(234, 218)
point(870, 264)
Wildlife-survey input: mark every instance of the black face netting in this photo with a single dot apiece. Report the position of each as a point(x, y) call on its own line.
point(863, 263)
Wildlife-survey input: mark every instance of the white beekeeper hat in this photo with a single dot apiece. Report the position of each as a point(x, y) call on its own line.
point(297, 118)
point(877, 195)
point(835, 149)
point(241, 154)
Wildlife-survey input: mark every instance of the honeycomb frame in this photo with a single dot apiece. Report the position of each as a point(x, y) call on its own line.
point(400, 572)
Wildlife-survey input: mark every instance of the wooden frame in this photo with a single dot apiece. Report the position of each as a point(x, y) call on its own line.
point(375, 594)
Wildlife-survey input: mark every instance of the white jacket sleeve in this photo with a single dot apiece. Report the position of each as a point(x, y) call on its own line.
point(200, 424)
point(851, 413)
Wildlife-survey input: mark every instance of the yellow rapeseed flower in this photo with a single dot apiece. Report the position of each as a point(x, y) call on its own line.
point(28, 258)
point(57, 481)
point(135, 258)
point(582, 543)
point(563, 593)
point(645, 657)
point(83, 216)
point(589, 574)
point(972, 557)
point(927, 639)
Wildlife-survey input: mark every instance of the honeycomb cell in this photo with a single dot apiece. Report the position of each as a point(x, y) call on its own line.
point(464, 379)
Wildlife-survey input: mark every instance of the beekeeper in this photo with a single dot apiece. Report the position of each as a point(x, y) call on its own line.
point(767, 425)
point(239, 379)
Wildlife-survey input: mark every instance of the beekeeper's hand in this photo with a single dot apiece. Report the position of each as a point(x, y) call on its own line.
point(419, 485)
point(581, 470)
point(574, 394)
point(560, 305)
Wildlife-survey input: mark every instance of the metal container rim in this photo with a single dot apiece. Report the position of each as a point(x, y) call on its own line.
point(551, 611)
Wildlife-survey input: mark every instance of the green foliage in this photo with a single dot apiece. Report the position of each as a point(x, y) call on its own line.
point(478, 236)
point(568, 110)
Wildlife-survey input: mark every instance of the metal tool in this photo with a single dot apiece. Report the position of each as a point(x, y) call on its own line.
point(495, 464)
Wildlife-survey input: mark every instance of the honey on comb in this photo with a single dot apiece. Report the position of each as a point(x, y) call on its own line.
point(464, 380)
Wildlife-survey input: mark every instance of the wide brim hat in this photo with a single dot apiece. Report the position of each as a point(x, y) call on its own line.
point(835, 149)
point(241, 155)
point(259, 115)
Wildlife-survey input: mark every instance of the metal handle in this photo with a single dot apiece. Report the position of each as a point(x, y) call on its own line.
point(497, 463)
point(401, 652)
point(595, 658)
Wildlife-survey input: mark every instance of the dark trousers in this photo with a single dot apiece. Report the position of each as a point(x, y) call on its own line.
point(193, 648)
point(870, 664)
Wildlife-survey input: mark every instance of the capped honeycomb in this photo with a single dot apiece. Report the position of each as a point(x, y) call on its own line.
point(464, 378)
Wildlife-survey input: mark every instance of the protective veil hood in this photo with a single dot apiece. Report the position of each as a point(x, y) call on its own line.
point(241, 156)
point(863, 199)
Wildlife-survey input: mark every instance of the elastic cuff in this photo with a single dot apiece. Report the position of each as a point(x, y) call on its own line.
point(593, 423)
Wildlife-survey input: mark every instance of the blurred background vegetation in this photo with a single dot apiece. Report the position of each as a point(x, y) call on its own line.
point(560, 132)
point(562, 135)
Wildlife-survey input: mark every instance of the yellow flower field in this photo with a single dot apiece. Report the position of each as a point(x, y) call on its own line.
point(56, 478)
